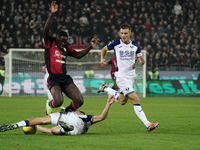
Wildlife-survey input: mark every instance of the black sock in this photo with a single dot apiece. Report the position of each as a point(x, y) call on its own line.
point(71, 107)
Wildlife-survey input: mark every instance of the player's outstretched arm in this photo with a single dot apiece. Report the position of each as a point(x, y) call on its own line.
point(103, 53)
point(44, 129)
point(104, 114)
point(82, 53)
point(53, 130)
point(47, 33)
point(97, 67)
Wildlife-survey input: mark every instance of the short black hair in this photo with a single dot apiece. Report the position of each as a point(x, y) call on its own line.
point(125, 26)
point(62, 33)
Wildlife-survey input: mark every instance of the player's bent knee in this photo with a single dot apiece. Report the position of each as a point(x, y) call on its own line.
point(58, 103)
point(78, 100)
point(135, 100)
point(79, 103)
point(122, 103)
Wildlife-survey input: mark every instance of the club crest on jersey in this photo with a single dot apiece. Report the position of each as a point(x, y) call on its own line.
point(127, 89)
point(57, 54)
point(132, 47)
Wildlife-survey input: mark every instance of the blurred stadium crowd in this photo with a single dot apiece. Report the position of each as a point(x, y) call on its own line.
point(168, 30)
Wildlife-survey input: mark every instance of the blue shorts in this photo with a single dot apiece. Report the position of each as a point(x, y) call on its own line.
point(63, 81)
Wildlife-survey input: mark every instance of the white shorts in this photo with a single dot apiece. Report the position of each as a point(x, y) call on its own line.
point(70, 118)
point(125, 84)
point(54, 118)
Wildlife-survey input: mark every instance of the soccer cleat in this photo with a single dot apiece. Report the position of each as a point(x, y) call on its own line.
point(48, 108)
point(65, 126)
point(3, 128)
point(152, 126)
point(102, 87)
point(7, 127)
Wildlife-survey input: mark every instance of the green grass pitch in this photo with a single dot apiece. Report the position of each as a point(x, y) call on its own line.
point(179, 128)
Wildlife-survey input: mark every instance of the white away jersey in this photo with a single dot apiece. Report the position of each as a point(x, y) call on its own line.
point(81, 123)
point(125, 55)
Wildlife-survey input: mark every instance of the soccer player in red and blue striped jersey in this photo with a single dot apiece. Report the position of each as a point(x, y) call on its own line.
point(56, 52)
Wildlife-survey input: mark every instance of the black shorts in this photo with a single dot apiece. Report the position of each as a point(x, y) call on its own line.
point(63, 81)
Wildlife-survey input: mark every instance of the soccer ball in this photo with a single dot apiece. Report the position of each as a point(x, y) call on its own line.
point(30, 129)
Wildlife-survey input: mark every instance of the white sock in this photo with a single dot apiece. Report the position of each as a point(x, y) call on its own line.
point(21, 124)
point(112, 92)
point(139, 112)
point(62, 131)
point(49, 94)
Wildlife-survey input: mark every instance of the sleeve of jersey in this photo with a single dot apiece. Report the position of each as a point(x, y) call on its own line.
point(112, 44)
point(47, 44)
point(71, 51)
point(87, 118)
point(138, 52)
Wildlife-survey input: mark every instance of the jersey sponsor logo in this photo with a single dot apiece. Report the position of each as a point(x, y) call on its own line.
point(57, 54)
point(126, 55)
point(60, 61)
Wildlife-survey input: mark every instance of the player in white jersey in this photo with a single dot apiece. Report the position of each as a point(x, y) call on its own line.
point(46, 75)
point(126, 51)
point(68, 123)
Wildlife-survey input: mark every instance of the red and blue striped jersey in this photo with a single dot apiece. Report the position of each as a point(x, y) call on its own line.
point(55, 58)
